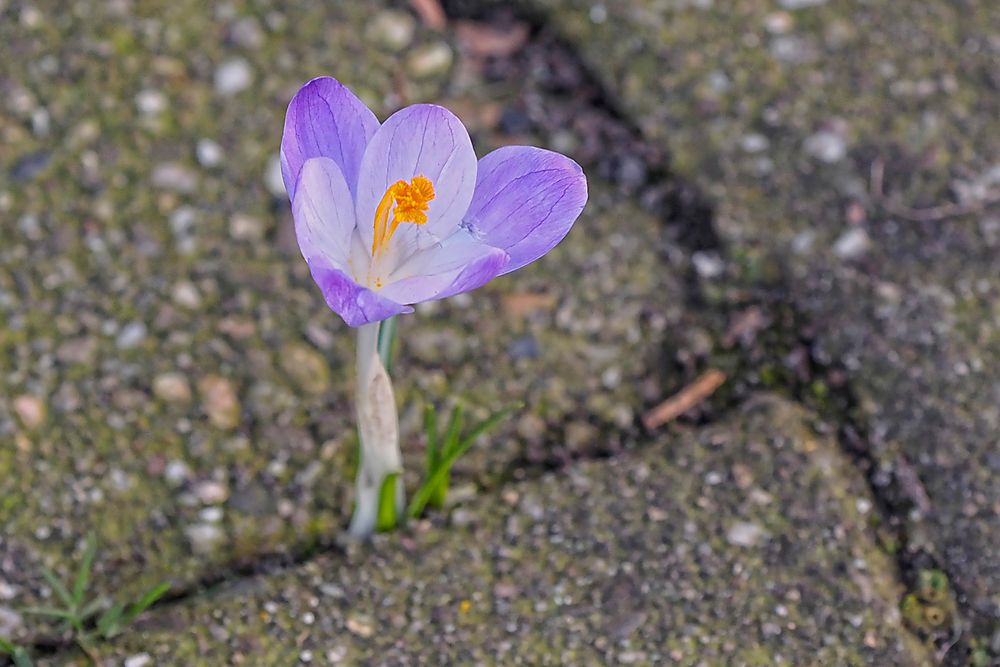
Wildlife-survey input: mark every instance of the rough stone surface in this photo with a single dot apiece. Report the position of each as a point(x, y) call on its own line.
point(173, 382)
point(198, 369)
point(147, 339)
point(784, 114)
point(626, 562)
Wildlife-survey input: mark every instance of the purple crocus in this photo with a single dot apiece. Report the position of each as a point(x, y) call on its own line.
point(399, 213)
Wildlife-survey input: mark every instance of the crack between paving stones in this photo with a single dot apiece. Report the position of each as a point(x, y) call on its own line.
point(688, 219)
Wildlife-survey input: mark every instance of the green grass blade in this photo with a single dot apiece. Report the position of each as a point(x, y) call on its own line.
point(108, 625)
point(18, 654)
point(430, 429)
point(491, 423)
point(147, 600)
point(424, 494)
point(440, 492)
point(452, 432)
point(450, 442)
point(58, 587)
point(387, 519)
point(387, 342)
point(93, 607)
point(64, 614)
point(83, 574)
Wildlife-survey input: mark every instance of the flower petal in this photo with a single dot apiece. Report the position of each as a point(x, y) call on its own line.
point(457, 265)
point(420, 140)
point(356, 304)
point(323, 210)
point(526, 201)
point(325, 119)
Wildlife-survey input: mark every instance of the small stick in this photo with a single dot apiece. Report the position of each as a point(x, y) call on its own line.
point(431, 13)
point(684, 400)
point(931, 214)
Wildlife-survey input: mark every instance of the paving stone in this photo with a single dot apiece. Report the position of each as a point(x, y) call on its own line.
point(784, 114)
point(166, 368)
point(626, 561)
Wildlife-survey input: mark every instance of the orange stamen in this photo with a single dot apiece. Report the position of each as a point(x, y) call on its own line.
point(404, 202)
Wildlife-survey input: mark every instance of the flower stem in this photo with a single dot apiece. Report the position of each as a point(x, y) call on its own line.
point(378, 431)
point(387, 342)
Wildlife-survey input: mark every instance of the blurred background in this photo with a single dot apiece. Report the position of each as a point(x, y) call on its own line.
point(761, 375)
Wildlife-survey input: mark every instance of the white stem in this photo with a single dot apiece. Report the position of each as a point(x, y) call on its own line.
point(378, 430)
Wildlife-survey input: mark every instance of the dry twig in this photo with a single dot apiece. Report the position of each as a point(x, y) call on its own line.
point(684, 400)
point(932, 214)
point(431, 13)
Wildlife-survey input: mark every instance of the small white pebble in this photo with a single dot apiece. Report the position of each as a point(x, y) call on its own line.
point(176, 473)
point(852, 244)
point(211, 514)
point(150, 102)
point(826, 146)
point(138, 660)
point(233, 76)
point(132, 334)
point(204, 537)
point(208, 152)
point(211, 493)
point(745, 534)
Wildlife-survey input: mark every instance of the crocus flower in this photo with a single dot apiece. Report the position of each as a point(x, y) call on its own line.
point(395, 214)
point(399, 213)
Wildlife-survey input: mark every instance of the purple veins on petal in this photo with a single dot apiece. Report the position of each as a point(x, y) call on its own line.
point(323, 211)
point(420, 140)
point(325, 119)
point(457, 265)
point(355, 303)
point(526, 201)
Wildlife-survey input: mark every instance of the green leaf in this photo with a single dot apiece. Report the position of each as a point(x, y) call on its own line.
point(93, 607)
point(64, 614)
point(453, 431)
point(430, 429)
point(387, 519)
point(423, 495)
point(83, 574)
point(18, 654)
point(21, 658)
point(146, 601)
point(451, 440)
point(440, 491)
point(58, 587)
point(490, 423)
point(386, 342)
point(108, 625)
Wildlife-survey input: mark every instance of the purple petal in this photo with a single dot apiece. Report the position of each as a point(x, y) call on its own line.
point(457, 265)
point(526, 201)
point(356, 304)
point(420, 140)
point(325, 119)
point(323, 210)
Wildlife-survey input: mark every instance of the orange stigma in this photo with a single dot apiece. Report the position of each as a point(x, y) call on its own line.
point(402, 202)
